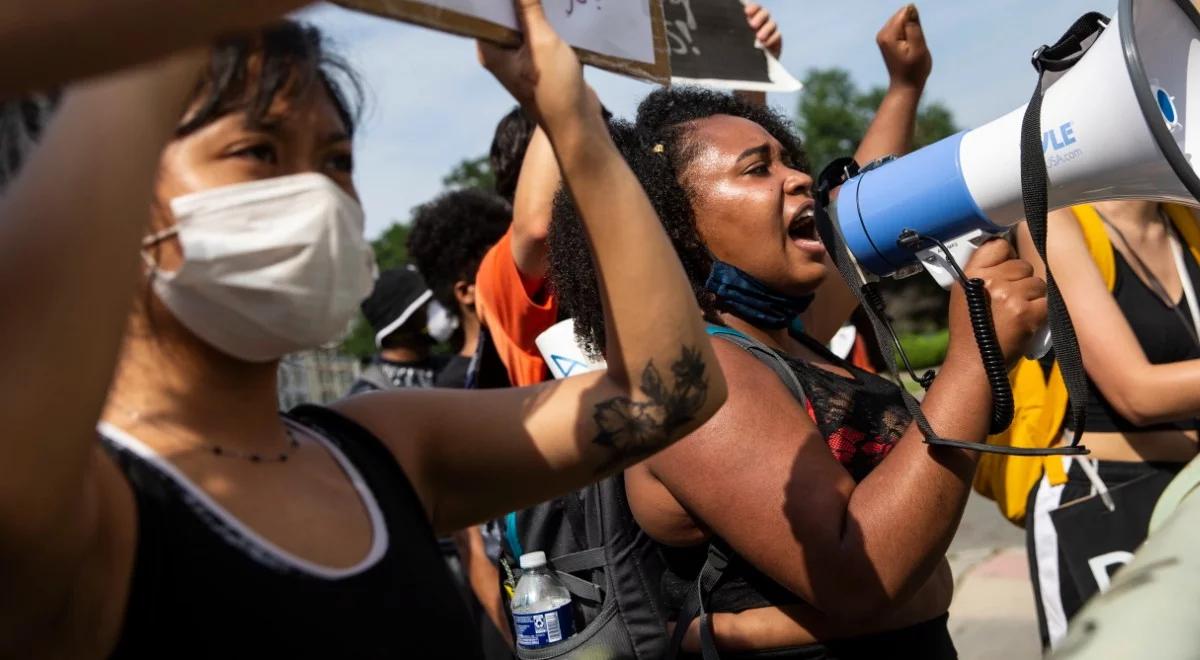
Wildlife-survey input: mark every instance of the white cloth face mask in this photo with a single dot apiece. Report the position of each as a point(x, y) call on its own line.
point(442, 322)
point(269, 267)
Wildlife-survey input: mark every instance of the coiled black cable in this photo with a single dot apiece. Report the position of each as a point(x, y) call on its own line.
point(979, 311)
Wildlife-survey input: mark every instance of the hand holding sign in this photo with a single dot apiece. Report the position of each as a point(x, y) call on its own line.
point(766, 30)
point(902, 42)
point(543, 74)
point(725, 44)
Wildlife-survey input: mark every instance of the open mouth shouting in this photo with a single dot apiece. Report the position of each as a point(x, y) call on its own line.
point(802, 231)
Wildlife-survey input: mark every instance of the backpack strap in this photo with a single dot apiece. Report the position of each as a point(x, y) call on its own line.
point(764, 354)
point(696, 604)
point(1098, 246)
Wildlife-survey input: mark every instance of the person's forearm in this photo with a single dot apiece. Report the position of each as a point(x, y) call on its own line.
point(891, 131)
point(651, 312)
point(533, 205)
point(56, 41)
point(69, 235)
point(657, 352)
point(900, 520)
point(484, 578)
point(1154, 393)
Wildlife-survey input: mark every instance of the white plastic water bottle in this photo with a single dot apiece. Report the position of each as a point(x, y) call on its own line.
point(541, 605)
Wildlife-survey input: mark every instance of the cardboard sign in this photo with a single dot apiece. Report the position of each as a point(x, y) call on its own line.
point(623, 36)
point(712, 45)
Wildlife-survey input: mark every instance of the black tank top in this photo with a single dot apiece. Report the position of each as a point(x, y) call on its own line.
point(206, 586)
point(1160, 331)
point(861, 418)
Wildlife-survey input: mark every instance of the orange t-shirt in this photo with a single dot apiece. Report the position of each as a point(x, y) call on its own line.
point(513, 319)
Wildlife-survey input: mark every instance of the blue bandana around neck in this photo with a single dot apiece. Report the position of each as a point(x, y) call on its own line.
point(746, 297)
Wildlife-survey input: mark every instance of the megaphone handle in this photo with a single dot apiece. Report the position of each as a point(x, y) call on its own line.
point(978, 309)
point(1041, 343)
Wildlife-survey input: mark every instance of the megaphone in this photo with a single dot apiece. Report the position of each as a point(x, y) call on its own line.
point(1122, 123)
point(1120, 119)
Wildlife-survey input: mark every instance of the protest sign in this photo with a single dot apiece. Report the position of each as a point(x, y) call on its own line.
point(713, 46)
point(624, 36)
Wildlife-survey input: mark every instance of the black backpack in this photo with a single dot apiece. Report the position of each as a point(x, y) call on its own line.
point(612, 568)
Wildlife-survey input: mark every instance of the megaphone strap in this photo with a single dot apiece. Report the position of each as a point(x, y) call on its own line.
point(1071, 46)
point(1058, 57)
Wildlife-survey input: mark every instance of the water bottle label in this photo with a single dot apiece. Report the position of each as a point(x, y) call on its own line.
point(535, 630)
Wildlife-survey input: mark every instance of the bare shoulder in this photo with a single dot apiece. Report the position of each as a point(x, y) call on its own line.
point(759, 407)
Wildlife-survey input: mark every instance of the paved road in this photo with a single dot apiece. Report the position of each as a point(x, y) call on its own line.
point(993, 616)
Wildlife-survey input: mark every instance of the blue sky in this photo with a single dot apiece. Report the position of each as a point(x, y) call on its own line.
point(430, 104)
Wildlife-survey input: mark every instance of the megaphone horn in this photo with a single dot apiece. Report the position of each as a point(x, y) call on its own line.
point(1115, 126)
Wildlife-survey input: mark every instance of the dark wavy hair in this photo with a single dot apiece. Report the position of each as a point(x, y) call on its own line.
point(248, 72)
point(507, 153)
point(659, 149)
point(451, 234)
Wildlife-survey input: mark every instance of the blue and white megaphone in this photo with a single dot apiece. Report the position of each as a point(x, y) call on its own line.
point(1122, 123)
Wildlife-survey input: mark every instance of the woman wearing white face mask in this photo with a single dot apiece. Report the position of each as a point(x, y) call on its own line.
point(204, 523)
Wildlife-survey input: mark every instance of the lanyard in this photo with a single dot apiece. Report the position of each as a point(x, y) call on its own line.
point(1157, 287)
point(1189, 291)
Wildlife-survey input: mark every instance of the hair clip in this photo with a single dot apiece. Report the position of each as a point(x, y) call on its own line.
point(659, 148)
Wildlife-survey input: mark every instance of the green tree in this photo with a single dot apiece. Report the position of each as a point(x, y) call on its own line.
point(391, 251)
point(471, 173)
point(830, 116)
point(834, 114)
point(391, 248)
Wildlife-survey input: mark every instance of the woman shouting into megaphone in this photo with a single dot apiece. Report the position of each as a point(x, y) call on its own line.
point(808, 516)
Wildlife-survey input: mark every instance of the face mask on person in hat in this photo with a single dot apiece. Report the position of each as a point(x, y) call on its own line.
point(269, 267)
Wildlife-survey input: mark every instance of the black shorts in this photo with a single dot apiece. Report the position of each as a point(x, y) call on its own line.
point(1059, 587)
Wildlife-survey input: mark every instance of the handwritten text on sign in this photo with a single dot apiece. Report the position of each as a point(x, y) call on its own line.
point(710, 39)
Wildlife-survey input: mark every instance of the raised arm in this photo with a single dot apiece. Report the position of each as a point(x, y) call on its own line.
point(56, 41)
point(70, 227)
point(474, 455)
point(533, 203)
point(1142, 392)
point(761, 477)
point(902, 43)
point(908, 61)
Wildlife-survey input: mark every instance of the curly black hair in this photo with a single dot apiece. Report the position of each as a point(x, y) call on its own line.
point(659, 148)
point(248, 72)
point(508, 151)
point(451, 234)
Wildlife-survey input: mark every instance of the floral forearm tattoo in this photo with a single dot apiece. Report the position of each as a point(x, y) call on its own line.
point(635, 429)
